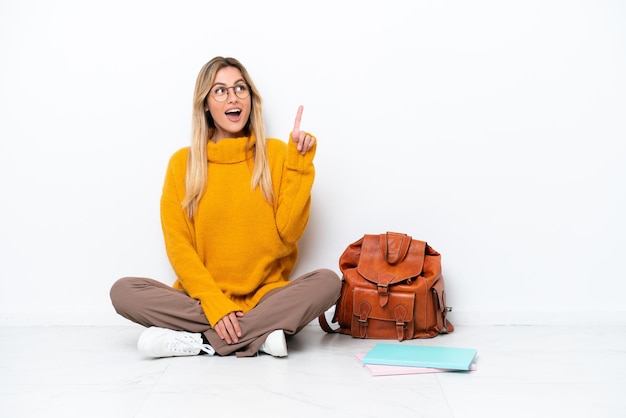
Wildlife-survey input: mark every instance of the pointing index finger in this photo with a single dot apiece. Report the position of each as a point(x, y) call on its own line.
point(296, 125)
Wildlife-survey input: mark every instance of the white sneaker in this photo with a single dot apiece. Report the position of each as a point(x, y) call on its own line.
point(163, 342)
point(275, 344)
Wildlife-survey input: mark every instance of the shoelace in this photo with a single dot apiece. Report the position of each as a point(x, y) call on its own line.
point(207, 349)
point(185, 343)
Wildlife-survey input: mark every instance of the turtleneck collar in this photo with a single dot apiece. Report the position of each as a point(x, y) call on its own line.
point(231, 150)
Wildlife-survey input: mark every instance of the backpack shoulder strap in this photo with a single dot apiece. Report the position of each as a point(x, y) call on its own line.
point(324, 324)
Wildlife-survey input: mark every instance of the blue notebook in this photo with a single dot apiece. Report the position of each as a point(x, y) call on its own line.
point(453, 358)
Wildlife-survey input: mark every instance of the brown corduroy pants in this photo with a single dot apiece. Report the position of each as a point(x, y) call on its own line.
point(290, 308)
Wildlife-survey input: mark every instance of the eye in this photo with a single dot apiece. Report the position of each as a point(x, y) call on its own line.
point(219, 91)
point(241, 88)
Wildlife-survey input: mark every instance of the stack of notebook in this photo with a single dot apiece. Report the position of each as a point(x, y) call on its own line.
point(391, 359)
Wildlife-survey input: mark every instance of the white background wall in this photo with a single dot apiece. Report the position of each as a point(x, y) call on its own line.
point(493, 130)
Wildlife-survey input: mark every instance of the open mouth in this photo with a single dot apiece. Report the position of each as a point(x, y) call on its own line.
point(233, 114)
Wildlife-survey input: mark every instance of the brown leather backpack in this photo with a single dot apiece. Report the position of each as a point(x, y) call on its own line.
point(392, 288)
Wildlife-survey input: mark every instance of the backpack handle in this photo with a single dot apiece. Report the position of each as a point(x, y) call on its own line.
point(394, 246)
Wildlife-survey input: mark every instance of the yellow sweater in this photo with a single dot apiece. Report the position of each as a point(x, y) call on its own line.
point(238, 247)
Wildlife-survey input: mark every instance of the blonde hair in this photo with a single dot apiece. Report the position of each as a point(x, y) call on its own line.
point(203, 128)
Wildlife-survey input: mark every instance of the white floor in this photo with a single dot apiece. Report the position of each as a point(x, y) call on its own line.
point(522, 371)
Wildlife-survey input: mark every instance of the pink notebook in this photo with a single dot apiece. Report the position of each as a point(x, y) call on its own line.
point(381, 370)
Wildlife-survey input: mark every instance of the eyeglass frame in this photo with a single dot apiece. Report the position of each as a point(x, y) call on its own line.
point(227, 88)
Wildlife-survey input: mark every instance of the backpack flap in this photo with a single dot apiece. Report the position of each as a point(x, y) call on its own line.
point(390, 258)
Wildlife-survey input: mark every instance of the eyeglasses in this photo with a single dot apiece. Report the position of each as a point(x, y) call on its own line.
point(220, 93)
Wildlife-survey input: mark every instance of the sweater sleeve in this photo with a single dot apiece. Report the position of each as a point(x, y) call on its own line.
point(180, 245)
point(294, 196)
